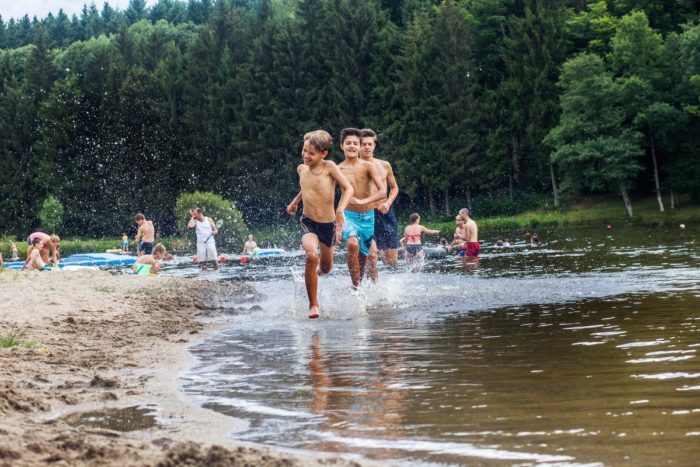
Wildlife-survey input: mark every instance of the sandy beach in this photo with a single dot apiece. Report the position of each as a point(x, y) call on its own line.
point(101, 342)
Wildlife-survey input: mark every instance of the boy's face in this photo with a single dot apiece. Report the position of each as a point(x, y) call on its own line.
point(311, 155)
point(351, 147)
point(367, 146)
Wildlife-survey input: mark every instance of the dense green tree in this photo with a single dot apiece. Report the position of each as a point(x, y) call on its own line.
point(535, 49)
point(596, 143)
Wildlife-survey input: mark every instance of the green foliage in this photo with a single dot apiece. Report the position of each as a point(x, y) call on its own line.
point(233, 230)
point(122, 111)
point(13, 338)
point(51, 214)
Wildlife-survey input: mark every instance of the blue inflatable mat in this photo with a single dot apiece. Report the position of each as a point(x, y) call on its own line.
point(86, 259)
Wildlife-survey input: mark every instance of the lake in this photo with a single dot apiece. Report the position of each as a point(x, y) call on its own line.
point(580, 352)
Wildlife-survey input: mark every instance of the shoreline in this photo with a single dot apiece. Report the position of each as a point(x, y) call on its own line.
point(106, 342)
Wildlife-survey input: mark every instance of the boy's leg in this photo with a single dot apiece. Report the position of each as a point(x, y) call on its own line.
point(309, 242)
point(372, 262)
point(354, 261)
point(390, 257)
point(326, 259)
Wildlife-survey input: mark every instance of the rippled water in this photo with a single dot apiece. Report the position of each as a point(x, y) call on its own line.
point(583, 351)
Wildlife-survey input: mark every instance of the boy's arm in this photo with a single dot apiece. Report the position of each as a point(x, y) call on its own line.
point(378, 195)
point(139, 234)
point(347, 192)
point(393, 190)
point(292, 207)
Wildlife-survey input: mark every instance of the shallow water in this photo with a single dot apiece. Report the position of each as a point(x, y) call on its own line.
point(122, 419)
point(583, 351)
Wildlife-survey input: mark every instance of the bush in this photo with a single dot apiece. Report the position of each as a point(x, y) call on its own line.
point(233, 230)
point(51, 214)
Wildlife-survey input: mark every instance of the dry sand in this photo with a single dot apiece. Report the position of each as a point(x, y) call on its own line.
point(113, 341)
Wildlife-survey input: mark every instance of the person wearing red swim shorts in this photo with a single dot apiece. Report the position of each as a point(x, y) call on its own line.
point(470, 233)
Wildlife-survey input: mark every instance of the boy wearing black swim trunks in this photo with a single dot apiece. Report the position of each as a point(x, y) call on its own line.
point(386, 228)
point(320, 223)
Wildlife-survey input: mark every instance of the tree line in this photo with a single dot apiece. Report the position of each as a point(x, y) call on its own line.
point(495, 104)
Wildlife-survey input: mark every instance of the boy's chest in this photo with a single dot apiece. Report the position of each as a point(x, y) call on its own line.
point(357, 176)
point(318, 184)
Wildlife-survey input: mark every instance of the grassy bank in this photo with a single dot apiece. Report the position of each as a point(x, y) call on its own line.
point(586, 212)
point(70, 246)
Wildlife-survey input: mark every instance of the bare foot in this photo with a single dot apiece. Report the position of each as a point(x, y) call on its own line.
point(313, 312)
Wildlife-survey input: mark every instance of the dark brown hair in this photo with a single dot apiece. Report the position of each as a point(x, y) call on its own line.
point(345, 132)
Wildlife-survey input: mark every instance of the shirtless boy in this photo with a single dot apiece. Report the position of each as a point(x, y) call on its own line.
point(149, 264)
point(386, 228)
point(145, 236)
point(250, 245)
point(320, 224)
point(359, 216)
point(470, 234)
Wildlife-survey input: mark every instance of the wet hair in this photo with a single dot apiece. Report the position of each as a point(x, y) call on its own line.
point(319, 139)
point(499, 243)
point(413, 218)
point(36, 241)
point(368, 133)
point(159, 248)
point(345, 132)
point(140, 217)
point(535, 240)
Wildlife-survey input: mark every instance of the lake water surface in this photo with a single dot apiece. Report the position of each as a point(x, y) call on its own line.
point(583, 351)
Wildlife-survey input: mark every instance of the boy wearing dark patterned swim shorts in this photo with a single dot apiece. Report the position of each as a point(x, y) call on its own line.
point(320, 223)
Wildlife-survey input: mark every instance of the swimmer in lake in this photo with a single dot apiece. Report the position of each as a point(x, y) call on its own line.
point(470, 233)
point(411, 240)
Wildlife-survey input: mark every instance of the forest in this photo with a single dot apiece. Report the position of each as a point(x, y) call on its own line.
point(500, 105)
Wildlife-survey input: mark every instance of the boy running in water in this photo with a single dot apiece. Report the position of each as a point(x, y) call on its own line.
point(359, 215)
point(386, 228)
point(320, 225)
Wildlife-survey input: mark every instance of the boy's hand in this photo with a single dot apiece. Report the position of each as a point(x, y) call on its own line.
point(292, 209)
point(339, 226)
point(384, 207)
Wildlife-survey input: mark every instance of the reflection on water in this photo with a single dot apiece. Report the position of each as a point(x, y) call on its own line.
point(583, 351)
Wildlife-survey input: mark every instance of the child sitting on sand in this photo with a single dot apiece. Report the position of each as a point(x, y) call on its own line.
point(34, 262)
point(150, 264)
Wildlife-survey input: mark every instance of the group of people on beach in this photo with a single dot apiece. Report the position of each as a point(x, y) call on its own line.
point(363, 218)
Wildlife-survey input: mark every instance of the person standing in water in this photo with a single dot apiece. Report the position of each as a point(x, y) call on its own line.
point(359, 215)
point(470, 234)
point(206, 245)
point(320, 224)
point(386, 228)
point(250, 245)
point(145, 235)
point(413, 247)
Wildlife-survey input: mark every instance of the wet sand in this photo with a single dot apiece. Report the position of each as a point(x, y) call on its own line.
point(112, 341)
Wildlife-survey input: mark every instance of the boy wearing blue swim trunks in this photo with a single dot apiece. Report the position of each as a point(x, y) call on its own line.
point(359, 215)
